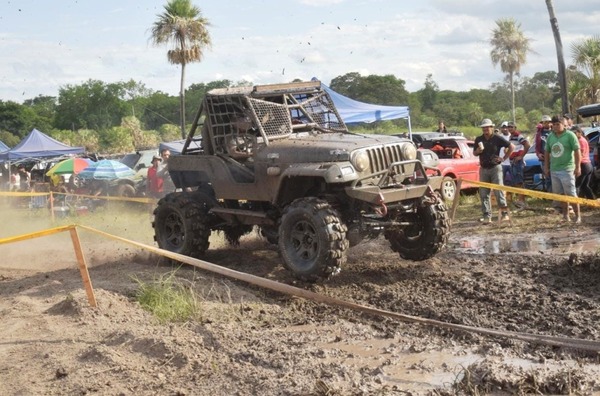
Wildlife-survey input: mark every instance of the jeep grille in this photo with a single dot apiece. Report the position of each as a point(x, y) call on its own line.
point(380, 158)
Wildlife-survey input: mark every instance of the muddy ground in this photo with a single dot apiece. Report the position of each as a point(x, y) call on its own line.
point(252, 341)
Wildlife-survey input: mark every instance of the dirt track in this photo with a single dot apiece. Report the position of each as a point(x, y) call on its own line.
point(250, 341)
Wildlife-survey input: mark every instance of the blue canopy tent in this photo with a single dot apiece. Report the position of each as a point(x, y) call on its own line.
point(3, 147)
point(354, 112)
point(38, 145)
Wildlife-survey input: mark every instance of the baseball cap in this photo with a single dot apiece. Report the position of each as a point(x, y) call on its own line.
point(546, 118)
point(504, 124)
point(486, 122)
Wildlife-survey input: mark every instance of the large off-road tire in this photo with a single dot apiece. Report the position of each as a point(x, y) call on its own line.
point(125, 190)
point(448, 189)
point(426, 235)
point(312, 239)
point(181, 224)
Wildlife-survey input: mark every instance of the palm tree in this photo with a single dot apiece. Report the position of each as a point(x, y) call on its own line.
point(586, 57)
point(184, 28)
point(509, 49)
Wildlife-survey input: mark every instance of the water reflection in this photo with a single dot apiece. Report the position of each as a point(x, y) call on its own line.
point(535, 244)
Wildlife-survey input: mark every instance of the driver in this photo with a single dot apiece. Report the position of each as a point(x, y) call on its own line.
point(239, 144)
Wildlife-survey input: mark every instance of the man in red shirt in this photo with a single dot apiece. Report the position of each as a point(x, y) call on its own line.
point(154, 186)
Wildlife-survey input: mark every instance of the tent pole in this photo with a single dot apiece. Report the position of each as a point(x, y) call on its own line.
point(409, 128)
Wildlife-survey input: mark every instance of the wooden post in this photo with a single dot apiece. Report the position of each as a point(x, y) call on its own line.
point(52, 206)
point(456, 199)
point(85, 276)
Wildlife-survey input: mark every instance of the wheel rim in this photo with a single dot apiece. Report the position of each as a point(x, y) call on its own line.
point(304, 241)
point(448, 189)
point(174, 231)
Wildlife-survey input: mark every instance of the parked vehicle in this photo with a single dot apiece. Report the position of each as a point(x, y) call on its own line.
point(418, 137)
point(280, 157)
point(456, 159)
point(139, 161)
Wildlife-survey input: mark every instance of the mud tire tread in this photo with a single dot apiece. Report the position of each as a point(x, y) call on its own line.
point(331, 233)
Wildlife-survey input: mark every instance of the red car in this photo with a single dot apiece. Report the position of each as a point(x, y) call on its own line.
point(456, 160)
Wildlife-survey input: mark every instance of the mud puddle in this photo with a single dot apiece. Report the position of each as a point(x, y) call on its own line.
point(565, 242)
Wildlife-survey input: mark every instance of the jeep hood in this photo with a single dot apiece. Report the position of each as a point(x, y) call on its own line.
point(323, 147)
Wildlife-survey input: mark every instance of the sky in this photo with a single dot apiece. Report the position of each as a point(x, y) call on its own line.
point(46, 45)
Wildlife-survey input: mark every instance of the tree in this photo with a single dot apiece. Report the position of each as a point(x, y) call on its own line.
point(586, 57)
point(429, 92)
point(384, 90)
point(509, 49)
point(182, 26)
point(17, 119)
point(91, 105)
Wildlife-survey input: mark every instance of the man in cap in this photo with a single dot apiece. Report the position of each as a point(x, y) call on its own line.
point(487, 148)
point(563, 163)
point(155, 182)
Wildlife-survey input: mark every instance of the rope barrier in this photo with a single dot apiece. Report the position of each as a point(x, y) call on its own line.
point(105, 197)
point(536, 194)
point(576, 343)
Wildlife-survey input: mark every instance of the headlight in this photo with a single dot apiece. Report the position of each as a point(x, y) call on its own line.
point(409, 151)
point(360, 160)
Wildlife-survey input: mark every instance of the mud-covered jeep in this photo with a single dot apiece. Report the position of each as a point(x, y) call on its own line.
point(280, 157)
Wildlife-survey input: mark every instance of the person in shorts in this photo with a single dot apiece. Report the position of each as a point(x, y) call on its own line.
point(563, 163)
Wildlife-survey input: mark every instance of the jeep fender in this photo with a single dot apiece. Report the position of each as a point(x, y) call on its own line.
point(304, 179)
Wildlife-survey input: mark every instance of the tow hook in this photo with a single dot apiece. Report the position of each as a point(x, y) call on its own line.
point(381, 209)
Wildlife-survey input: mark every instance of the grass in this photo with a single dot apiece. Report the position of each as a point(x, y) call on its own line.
point(168, 299)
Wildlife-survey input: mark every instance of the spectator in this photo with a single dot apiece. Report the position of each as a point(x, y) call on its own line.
point(15, 180)
point(568, 121)
point(583, 181)
point(487, 148)
point(441, 127)
point(163, 172)
point(24, 178)
point(155, 184)
point(540, 145)
point(517, 161)
point(505, 164)
point(563, 163)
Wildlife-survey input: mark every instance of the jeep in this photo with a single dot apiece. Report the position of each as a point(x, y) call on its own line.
point(281, 159)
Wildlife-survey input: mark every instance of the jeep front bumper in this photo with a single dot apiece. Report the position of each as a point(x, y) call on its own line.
point(413, 186)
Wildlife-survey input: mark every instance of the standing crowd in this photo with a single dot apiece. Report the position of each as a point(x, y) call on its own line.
point(563, 152)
